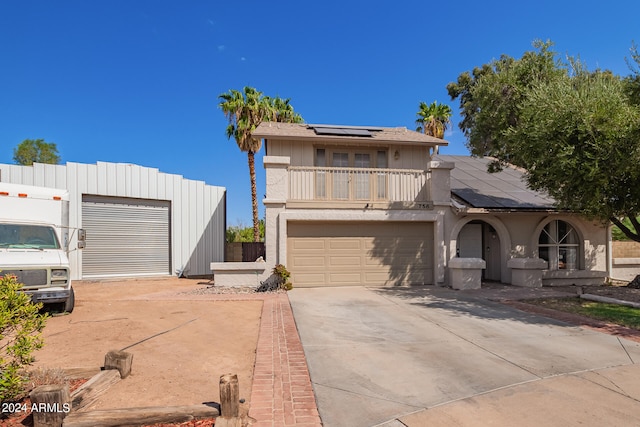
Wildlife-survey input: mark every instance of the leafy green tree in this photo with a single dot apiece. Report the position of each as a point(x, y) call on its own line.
point(575, 132)
point(241, 233)
point(579, 140)
point(20, 328)
point(245, 111)
point(616, 232)
point(433, 119)
point(32, 151)
point(491, 94)
point(632, 82)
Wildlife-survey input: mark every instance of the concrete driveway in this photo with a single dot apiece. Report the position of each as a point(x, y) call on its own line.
point(434, 356)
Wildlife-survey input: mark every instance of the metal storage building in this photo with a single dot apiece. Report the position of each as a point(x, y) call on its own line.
point(138, 221)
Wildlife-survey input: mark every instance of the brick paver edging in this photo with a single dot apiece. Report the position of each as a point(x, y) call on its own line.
point(281, 394)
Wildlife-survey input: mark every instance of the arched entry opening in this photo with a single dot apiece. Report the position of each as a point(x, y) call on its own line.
point(478, 239)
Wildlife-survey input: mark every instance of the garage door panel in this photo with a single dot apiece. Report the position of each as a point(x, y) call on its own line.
point(309, 279)
point(345, 244)
point(373, 277)
point(308, 244)
point(308, 261)
point(373, 262)
point(360, 253)
point(344, 278)
point(345, 261)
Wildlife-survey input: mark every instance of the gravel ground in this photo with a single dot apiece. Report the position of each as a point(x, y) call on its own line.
point(219, 290)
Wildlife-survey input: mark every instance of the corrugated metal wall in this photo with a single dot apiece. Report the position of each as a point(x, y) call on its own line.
point(197, 209)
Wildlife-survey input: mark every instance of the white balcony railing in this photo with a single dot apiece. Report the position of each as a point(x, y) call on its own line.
point(358, 184)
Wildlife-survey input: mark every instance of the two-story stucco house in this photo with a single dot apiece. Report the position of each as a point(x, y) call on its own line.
point(353, 205)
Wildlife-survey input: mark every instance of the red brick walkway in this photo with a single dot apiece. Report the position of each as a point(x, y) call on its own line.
point(281, 394)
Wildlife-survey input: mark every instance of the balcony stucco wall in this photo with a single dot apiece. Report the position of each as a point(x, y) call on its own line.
point(302, 154)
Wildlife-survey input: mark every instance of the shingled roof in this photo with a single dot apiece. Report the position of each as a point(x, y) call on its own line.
point(319, 132)
point(472, 185)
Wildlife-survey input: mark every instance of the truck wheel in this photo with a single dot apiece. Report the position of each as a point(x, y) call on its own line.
point(70, 303)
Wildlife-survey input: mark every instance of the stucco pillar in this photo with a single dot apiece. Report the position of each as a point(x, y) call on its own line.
point(527, 271)
point(277, 183)
point(466, 273)
point(440, 182)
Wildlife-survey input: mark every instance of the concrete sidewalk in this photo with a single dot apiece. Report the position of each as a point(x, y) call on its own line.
point(434, 356)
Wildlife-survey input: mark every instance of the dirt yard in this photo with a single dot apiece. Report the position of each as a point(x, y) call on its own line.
point(182, 339)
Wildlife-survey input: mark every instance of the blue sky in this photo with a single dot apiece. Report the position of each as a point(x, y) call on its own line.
point(137, 81)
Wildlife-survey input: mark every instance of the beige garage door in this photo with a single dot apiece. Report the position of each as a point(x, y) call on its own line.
point(362, 253)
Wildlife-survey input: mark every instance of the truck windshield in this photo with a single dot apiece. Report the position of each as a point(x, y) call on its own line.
point(24, 236)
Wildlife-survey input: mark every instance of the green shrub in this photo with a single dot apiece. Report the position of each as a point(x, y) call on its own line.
point(21, 325)
point(242, 233)
point(617, 234)
point(282, 272)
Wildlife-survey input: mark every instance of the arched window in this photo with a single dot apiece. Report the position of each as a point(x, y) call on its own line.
point(559, 245)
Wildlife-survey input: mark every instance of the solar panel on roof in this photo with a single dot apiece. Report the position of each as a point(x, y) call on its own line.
point(369, 128)
point(341, 131)
point(471, 183)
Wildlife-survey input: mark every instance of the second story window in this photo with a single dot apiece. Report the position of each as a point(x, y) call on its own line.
point(350, 158)
point(350, 174)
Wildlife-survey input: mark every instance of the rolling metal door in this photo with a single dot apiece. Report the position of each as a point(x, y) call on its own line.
point(125, 237)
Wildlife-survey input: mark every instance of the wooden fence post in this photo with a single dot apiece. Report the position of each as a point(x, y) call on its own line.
point(229, 402)
point(49, 405)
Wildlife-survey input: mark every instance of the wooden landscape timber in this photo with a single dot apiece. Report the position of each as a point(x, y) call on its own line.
point(69, 409)
point(90, 391)
point(80, 373)
point(139, 416)
point(120, 360)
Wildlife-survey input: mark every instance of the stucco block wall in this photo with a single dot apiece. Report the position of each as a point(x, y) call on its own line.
point(626, 260)
point(519, 232)
point(625, 249)
point(521, 228)
point(298, 153)
point(525, 229)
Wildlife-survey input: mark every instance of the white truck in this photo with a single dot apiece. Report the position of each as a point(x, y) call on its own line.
point(34, 242)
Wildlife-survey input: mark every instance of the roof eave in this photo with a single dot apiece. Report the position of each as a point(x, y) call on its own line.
point(473, 210)
point(350, 140)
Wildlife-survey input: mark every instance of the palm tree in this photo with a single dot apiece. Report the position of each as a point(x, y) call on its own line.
point(433, 119)
point(245, 111)
point(282, 111)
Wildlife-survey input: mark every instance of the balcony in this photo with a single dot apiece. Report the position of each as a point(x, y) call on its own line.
point(351, 186)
